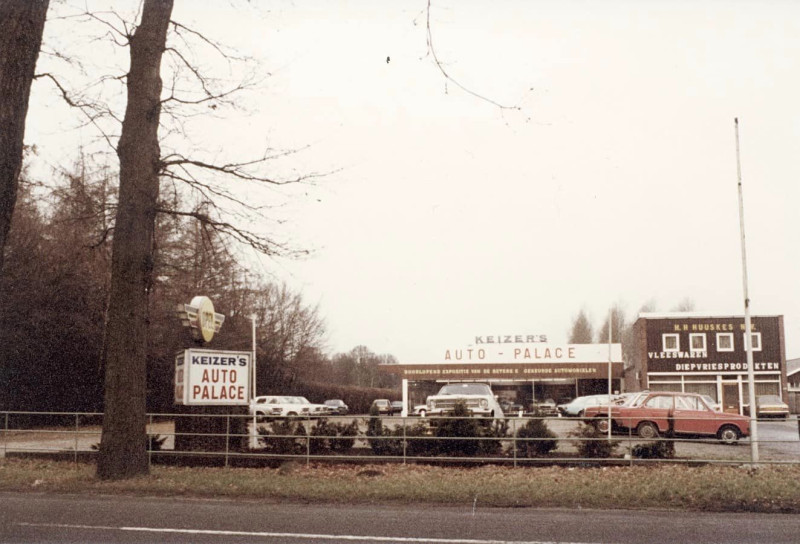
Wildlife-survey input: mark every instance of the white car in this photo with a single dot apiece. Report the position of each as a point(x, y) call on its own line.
point(278, 406)
point(312, 409)
point(478, 398)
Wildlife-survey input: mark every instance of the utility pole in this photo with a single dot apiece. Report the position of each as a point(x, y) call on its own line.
point(748, 335)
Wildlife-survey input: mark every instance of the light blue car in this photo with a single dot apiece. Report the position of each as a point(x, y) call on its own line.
point(576, 406)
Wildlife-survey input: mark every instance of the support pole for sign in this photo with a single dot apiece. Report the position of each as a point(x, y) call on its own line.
point(254, 440)
point(748, 342)
point(610, 325)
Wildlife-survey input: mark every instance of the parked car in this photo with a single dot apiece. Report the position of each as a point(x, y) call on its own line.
point(478, 398)
point(397, 407)
point(544, 408)
point(512, 408)
point(313, 409)
point(420, 410)
point(383, 406)
point(576, 406)
point(771, 406)
point(660, 412)
point(336, 407)
point(277, 406)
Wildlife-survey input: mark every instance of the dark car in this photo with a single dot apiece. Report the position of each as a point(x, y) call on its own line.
point(336, 407)
point(663, 412)
point(397, 406)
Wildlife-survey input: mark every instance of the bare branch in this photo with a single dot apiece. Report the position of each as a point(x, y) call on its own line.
point(258, 242)
point(448, 77)
point(92, 111)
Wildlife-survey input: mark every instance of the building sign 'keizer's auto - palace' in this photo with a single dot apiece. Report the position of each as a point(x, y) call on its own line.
point(498, 357)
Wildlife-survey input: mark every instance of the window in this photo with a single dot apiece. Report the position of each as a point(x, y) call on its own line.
point(724, 341)
point(688, 403)
point(671, 342)
point(660, 401)
point(756, 338)
point(697, 342)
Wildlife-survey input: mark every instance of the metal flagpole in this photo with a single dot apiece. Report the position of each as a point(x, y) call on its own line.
point(748, 335)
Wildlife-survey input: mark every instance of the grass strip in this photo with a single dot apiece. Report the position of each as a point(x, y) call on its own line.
point(772, 488)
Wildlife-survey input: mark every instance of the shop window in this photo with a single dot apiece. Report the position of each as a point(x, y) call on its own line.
point(724, 341)
point(697, 342)
point(709, 389)
point(671, 342)
point(756, 339)
point(655, 386)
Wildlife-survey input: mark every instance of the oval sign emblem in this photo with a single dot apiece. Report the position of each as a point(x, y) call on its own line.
point(205, 317)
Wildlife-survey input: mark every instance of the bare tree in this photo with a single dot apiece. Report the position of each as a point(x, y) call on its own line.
point(21, 27)
point(581, 332)
point(618, 326)
point(122, 446)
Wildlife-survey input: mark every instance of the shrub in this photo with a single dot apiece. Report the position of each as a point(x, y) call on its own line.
point(284, 437)
point(492, 435)
point(381, 439)
point(332, 437)
point(535, 439)
point(592, 443)
point(458, 434)
point(661, 449)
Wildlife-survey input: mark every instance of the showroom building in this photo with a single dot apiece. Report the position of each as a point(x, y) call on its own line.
point(521, 369)
point(706, 354)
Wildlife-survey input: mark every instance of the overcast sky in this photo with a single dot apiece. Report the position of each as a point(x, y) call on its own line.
point(610, 178)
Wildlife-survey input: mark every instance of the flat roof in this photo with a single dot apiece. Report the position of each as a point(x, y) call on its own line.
point(678, 315)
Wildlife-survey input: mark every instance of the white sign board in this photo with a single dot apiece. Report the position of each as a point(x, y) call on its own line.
point(533, 353)
point(212, 377)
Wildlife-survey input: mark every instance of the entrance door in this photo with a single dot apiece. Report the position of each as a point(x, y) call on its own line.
point(730, 398)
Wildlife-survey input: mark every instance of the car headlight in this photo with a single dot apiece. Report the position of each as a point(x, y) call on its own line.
point(484, 403)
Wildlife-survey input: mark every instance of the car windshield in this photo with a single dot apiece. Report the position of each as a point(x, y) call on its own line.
point(465, 389)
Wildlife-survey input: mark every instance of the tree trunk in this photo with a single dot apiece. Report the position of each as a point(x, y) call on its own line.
point(123, 447)
point(21, 27)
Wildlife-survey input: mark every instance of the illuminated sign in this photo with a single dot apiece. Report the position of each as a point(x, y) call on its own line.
point(199, 315)
point(206, 377)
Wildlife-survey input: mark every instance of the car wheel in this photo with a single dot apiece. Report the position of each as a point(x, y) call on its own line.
point(292, 414)
point(601, 425)
point(647, 430)
point(423, 413)
point(580, 414)
point(728, 434)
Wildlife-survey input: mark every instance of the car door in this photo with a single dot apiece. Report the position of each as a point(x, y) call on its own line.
point(692, 416)
point(656, 408)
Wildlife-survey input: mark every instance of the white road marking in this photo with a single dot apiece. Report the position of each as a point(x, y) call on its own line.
point(305, 536)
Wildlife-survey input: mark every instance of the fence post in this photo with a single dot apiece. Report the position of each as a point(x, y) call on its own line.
point(514, 439)
point(405, 441)
point(150, 441)
point(77, 430)
point(308, 440)
point(5, 436)
point(630, 444)
point(227, 436)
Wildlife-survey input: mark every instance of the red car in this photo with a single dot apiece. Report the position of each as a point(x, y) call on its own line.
point(662, 412)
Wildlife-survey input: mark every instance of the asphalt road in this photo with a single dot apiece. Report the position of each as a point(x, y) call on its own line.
point(44, 519)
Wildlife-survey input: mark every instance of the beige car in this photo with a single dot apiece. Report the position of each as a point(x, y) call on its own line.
point(771, 406)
